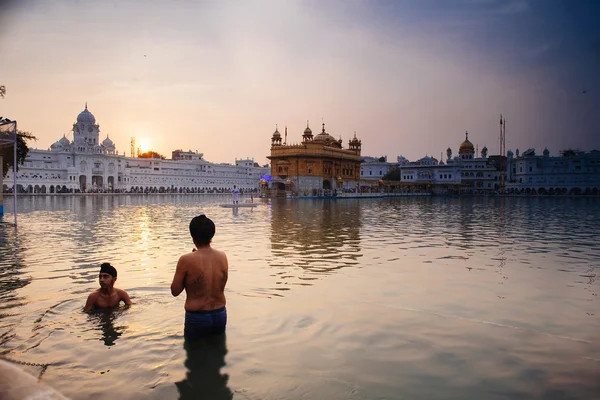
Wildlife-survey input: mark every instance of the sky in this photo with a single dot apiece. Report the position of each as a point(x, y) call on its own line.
point(409, 77)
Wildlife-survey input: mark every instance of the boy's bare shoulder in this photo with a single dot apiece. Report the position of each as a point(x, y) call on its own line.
point(186, 257)
point(221, 253)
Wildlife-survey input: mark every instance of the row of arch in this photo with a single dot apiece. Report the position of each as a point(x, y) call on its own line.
point(163, 189)
point(37, 189)
point(557, 191)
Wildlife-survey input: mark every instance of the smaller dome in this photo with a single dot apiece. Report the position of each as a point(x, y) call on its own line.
point(509, 154)
point(546, 152)
point(56, 145)
point(107, 142)
point(307, 131)
point(64, 141)
point(276, 133)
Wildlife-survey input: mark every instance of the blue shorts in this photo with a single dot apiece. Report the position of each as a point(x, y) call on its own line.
point(201, 324)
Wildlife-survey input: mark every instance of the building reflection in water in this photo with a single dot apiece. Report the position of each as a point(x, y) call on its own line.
point(204, 379)
point(319, 236)
point(105, 321)
point(11, 280)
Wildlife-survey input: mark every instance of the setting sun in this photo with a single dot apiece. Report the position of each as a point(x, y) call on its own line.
point(144, 145)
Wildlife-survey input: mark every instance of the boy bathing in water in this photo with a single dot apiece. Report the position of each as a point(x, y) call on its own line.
point(107, 296)
point(203, 275)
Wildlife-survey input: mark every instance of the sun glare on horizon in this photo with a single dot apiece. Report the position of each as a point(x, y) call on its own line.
point(144, 145)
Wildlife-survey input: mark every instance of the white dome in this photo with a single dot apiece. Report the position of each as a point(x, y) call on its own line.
point(86, 117)
point(108, 143)
point(64, 141)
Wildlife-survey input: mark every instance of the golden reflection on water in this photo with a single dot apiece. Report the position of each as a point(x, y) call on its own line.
point(383, 298)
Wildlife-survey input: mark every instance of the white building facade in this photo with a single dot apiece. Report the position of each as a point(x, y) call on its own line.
point(374, 168)
point(88, 165)
point(573, 172)
point(462, 173)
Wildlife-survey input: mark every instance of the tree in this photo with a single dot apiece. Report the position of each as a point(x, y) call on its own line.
point(151, 154)
point(2, 91)
point(6, 152)
point(392, 175)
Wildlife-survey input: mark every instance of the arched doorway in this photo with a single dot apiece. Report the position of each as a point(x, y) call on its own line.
point(82, 183)
point(111, 182)
point(97, 181)
point(327, 185)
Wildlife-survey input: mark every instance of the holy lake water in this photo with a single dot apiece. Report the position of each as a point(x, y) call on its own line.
point(395, 298)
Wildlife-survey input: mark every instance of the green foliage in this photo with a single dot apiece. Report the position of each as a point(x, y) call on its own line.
point(392, 175)
point(6, 151)
point(2, 91)
point(151, 154)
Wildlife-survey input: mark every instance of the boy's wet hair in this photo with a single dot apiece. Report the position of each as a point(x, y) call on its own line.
point(202, 229)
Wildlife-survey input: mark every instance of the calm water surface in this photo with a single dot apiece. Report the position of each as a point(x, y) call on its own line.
point(415, 298)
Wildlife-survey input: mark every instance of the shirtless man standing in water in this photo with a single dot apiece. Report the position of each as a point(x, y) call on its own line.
point(203, 275)
point(107, 296)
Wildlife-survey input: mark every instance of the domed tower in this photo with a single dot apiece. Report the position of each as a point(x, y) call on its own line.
point(484, 152)
point(466, 151)
point(108, 146)
point(307, 135)
point(509, 154)
point(85, 131)
point(276, 138)
point(546, 152)
point(355, 144)
point(448, 154)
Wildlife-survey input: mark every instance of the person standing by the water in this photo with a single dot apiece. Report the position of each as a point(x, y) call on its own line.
point(107, 296)
point(235, 194)
point(203, 274)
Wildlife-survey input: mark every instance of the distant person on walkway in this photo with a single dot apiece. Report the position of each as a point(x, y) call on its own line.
point(203, 274)
point(235, 194)
point(107, 296)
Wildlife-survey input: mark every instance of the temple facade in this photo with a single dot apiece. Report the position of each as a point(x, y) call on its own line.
point(317, 163)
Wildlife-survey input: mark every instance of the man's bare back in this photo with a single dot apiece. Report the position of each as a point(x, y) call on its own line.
point(203, 274)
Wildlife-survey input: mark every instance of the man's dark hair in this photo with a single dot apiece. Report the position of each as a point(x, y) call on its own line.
point(108, 269)
point(202, 229)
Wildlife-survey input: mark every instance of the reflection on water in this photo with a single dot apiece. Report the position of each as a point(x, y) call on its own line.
point(375, 298)
point(105, 320)
point(12, 279)
point(204, 380)
point(319, 236)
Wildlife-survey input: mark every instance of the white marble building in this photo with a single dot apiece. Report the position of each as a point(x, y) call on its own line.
point(374, 168)
point(87, 164)
point(573, 172)
point(464, 172)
